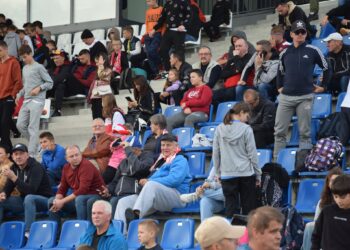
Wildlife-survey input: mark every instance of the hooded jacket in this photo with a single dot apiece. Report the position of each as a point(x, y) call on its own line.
point(13, 42)
point(294, 13)
point(240, 34)
point(234, 151)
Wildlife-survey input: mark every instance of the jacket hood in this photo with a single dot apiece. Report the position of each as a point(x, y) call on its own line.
point(234, 131)
point(291, 6)
point(11, 34)
point(240, 34)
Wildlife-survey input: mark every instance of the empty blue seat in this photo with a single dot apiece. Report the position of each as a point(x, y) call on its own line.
point(178, 234)
point(71, 232)
point(286, 157)
point(132, 237)
point(264, 156)
point(12, 234)
point(322, 106)
point(119, 225)
point(319, 43)
point(209, 132)
point(184, 136)
point(147, 134)
point(196, 161)
point(172, 110)
point(340, 100)
point(192, 207)
point(309, 194)
point(326, 30)
point(222, 110)
point(294, 138)
point(346, 39)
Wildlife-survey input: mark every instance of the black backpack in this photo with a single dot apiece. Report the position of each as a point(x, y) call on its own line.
point(335, 125)
point(270, 192)
point(293, 229)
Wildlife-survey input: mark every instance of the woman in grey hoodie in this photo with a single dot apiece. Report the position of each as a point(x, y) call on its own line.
point(235, 160)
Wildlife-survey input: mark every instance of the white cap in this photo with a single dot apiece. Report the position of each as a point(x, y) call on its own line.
point(334, 36)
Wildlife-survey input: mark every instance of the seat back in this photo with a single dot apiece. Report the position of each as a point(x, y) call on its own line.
point(326, 30)
point(143, 30)
point(222, 110)
point(136, 29)
point(71, 232)
point(64, 39)
point(77, 37)
point(119, 225)
point(319, 43)
point(346, 39)
point(42, 234)
point(322, 106)
point(309, 194)
point(12, 234)
point(147, 134)
point(178, 234)
point(78, 47)
point(184, 136)
point(208, 131)
point(172, 110)
point(196, 161)
point(340, 100)
point(264, 156)
point(294, 139)
point(99, 34)
point(286, 157)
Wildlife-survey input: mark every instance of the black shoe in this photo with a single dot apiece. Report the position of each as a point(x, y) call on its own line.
point(312, 17)
point(130, 215)
point(56, 113)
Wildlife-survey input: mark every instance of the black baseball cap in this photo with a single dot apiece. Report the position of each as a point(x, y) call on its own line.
point(279, 2)
point(168, 137)
point(20, 147)
point(298, 25)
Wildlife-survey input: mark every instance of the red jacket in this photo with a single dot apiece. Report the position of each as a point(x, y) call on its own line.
point(88, 78)
point(84, 179)
point(10, 78)
point(198, 99)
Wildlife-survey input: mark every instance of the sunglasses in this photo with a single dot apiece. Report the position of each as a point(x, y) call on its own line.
point(303, 32)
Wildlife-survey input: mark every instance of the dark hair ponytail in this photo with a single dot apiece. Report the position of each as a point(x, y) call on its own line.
point(235, 110)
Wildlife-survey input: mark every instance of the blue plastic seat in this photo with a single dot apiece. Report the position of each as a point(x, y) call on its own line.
point(184, 136)
point(264, 156)
point(210, 118)
point(209, 132)
point(139, 72)
point(132, 237)
point(171, 110)
point(326, 30)
point(286, 157)
point(294, 139)
point(309, 194)
point(222, 110)
point(12, 234)
point(178, 234)
point(192, 207)
point(319, 43)
point(341, 97)
point(119, 225)
point(287, 195)
point(346, 39)
point(71, 232)
point(147, 134)
point(322, 106)
point(196, 161)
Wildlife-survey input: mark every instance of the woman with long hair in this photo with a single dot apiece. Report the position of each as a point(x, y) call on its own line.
point(235, 160)
point(112, 114)
point(119, 62)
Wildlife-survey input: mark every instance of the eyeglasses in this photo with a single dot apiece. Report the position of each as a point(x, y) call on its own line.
point(298, 32)
point(98, 126)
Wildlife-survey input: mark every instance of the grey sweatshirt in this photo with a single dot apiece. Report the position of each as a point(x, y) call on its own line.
point(13, 43)
point(35, 75)
point(234, 151)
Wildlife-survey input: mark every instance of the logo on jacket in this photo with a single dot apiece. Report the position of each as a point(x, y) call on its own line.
point(306, 56)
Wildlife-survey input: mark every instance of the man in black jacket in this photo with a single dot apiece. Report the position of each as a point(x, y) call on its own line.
point(339, 62)
point(31, 180)
point(95, 46)
point(262, 119)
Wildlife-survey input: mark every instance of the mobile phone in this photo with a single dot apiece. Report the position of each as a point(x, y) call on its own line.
point(128, 98)
point(117, 142)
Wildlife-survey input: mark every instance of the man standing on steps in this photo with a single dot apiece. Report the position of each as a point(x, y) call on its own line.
point(314, 7)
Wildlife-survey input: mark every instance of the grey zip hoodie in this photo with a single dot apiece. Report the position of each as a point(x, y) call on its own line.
point(234, 151)
point(13, 43)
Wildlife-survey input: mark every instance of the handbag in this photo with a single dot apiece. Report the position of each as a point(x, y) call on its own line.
point(101, 88)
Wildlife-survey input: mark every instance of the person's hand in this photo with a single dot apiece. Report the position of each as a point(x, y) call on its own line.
point(183, 105)
point(9, 174)
point(124, 144)
point(344, 22)
point(324, 20)
point(235, 52)
point(104, 192)
point(280, 90)
point(181, 28)
point(151, 34)
point(241, 82)
point(132, 104)
point(199, 190)
point(258, 183)
point(221, 61)
point(206, 185)
point(259, 60)
point(165, 94)
point(57, 205)
point(2, 196)
point(142, 182)
point(318, 89)
point(187, 111)
point(35, 91)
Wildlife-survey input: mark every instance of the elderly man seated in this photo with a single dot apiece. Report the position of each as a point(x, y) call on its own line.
point(161, 191)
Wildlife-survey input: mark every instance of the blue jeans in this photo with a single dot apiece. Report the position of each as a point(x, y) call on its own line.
point(78, 205)
point(265, 90)
point(212, 201)
point(309, 228)
point(152, 45)
point(339, 84)
point(29, 205)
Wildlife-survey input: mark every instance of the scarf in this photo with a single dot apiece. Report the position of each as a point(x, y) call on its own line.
point(116, 62)
point(161, 159)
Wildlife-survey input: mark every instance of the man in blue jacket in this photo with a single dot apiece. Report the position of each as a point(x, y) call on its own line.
point(102, 235)
point(53, 157)
point(170, 177)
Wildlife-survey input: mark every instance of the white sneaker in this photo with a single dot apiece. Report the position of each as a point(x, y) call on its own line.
point(26, 234)
point(188, 198)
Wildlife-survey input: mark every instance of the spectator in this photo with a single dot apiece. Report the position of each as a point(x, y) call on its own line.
point(13, 41)
point(231, 73)
point(2, 18)
point(113, 115)
point(144, 105)
point(342, 25)
point(217, 233)
point(119, 62)
point(3, 31)
point(5, 163)
point(195, 104)
point(212, 199)
point(36, 32)
point(314, 7)
point(235, 160)
point(97, 150)
point(229, 55)
point(95, 46)
point(161, 190)
point(83, 73)
point(51, 45)
point(103, 78)
point(288, 13)
point(81, 176)
point(36, 82)
point(59, 74)
point(11, 83)
point(112, 35)
point(264, 64)
point(277, 40)
point(152, 42)
point(326, 200)
point(132, 46)
point(102, 235)
point(262, 118)
point(211, 69)
point(148, 234)
point(27, 27)
point(176, 16)
point(30, 179)
point(296, 88)
point(53, 158)
point(338, 57)
point(264, 229)
point(220, 15)
point(195, 23)
point(332, 224)
point(172, 84)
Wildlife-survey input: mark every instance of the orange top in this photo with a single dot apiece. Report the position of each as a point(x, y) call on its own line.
point(10, 78)
point(152, 16)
